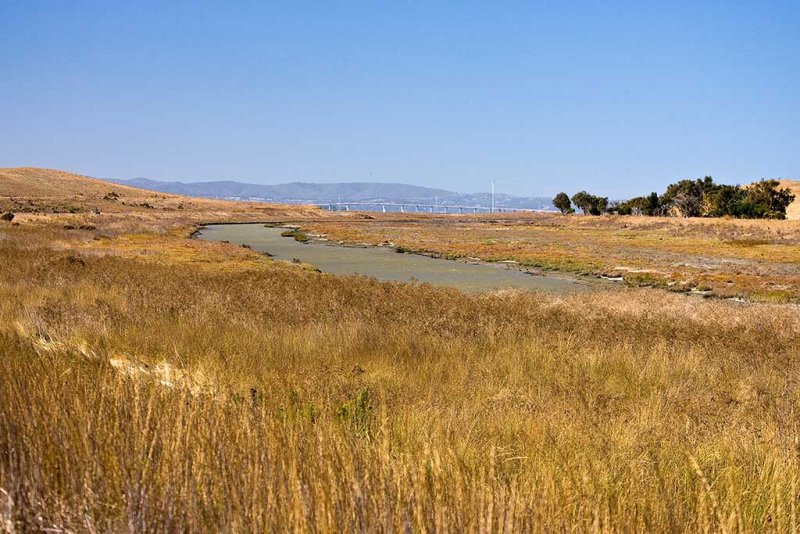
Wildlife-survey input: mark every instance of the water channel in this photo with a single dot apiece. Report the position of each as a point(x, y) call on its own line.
point(384, 263)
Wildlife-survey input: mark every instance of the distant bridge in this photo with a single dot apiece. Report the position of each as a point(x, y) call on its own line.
point(414, 207)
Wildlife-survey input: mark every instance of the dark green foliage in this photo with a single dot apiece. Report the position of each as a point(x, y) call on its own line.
point(765, 200)
point(704, 198)
point(296, 234)
point(293, 410)
point(357, 413)
point(686, 197)
point(650, 205)
point(563, 203)
point(590, 204)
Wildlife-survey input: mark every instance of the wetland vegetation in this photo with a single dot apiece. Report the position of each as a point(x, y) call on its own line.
point(152, 382)
point(383, 263)
point(757, 260)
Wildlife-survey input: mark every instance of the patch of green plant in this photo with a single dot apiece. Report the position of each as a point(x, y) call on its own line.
point(565, 266)
point(357, 413)
point(747, 243)
point(645, 280)
point(296, 410)
point(297, 234)
point(777, 296)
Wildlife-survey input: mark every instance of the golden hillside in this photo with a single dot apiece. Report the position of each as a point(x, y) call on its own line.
point(35, 190)
point(50, 183)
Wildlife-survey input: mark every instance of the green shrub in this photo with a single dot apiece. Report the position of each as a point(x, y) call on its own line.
point(357, 413)
point(296, 233)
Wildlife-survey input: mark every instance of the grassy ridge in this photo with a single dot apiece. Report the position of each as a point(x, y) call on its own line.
point(204, 387)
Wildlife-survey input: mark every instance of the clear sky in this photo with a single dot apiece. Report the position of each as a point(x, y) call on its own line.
point(616, 97)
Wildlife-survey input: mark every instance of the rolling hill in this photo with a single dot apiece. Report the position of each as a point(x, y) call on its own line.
point(51, 183)
point(36, 190)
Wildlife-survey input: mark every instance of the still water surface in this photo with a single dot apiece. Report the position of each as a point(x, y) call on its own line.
point(384, 263)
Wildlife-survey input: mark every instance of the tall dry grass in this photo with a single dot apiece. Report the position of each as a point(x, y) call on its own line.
point(165, 396)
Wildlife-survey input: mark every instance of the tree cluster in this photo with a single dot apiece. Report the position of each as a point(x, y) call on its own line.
point(586, 202)
point(691, 198)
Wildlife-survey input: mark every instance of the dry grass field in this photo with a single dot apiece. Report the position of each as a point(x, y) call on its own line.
point(149, 382)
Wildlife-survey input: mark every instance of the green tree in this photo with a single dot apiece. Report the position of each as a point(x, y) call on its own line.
point(582, 201)
point(652, 205)
point(764, 199)
point(590, 204)
point(562, 202)
point(723, 201)
point(600, 205)
point(685, 197)
point(704, 198)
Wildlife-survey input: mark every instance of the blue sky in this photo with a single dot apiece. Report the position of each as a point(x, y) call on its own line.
point(619, 98)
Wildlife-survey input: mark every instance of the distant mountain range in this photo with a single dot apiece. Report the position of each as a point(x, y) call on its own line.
point(313, 193)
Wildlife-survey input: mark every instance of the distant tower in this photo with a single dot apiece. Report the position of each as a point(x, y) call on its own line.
point(492, 196)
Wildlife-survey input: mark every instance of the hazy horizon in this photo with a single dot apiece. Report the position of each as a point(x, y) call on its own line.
point(616, 99)
point(451, 190)
point(314, 183)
